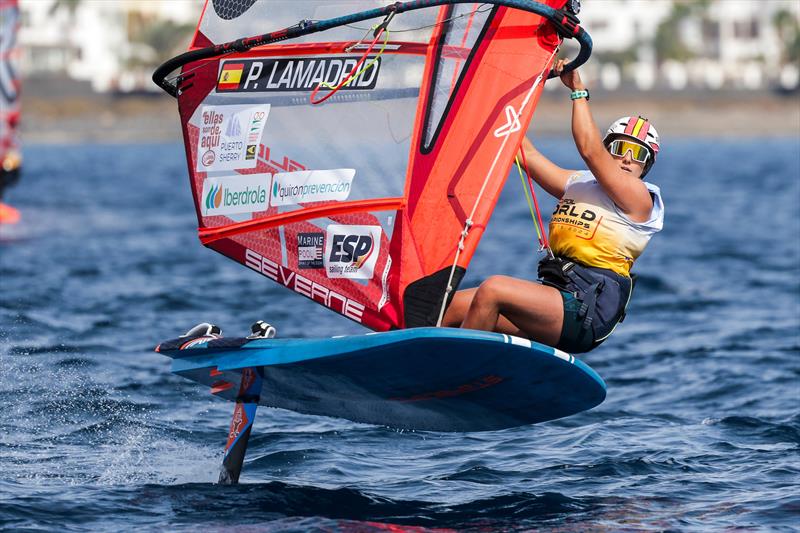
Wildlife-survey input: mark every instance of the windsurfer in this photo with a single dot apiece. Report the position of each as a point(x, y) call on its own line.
point(605, 217)
point(10, 157)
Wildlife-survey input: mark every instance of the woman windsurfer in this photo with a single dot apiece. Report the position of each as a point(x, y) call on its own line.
point(603, 221)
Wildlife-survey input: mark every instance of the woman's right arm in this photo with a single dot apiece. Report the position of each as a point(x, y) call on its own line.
point(550, 176)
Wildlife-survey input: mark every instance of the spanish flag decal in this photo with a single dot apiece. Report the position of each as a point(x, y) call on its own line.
point(230, 77)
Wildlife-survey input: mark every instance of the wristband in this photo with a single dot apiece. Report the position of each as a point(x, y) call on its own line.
point(579, 94)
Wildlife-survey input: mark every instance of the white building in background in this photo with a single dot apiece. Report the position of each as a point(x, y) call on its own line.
point(735, 42)
point(739, 43)
point(617, 26)
point(95, 42)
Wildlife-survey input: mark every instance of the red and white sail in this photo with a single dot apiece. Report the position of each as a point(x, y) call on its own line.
point(9, 93)
point(372, 202)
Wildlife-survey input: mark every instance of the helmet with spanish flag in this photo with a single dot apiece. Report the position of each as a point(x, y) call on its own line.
point(639, 129)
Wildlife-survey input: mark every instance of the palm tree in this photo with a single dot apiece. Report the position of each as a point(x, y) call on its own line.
point(668, 41)
point(164, 38)
point(70, 6)
point(789, 32)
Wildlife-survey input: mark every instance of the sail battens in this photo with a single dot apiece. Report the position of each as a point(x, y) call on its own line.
point(208, 235)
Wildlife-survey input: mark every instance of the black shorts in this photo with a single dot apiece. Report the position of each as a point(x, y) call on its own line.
point(594, 303)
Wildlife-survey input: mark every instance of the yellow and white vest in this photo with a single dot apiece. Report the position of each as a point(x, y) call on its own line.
point(587, 226)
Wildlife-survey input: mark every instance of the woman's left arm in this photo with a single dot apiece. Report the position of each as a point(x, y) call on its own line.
point(626, 190)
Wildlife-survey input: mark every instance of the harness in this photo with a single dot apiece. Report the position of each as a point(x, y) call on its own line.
point(586, 284)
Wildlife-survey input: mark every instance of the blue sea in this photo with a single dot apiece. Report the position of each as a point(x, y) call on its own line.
point(700, 430)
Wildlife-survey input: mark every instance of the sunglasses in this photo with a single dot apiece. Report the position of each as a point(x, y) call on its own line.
point(639, 153)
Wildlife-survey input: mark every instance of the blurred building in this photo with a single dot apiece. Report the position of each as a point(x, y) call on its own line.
point(111, 44)
point(644, 44)
point(703, 44)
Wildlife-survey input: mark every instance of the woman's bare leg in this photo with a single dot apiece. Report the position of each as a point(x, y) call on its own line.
point(457, 311)
point(509, 305)
point(458, 308)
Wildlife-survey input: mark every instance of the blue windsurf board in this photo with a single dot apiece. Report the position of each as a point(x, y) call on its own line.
point(435, 379)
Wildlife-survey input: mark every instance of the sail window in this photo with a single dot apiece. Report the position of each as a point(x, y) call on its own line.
point(461, 31)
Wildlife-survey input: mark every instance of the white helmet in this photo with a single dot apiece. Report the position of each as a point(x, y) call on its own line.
point(639, 129)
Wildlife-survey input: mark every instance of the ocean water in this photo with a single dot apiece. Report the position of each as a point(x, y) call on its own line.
point(700, 429)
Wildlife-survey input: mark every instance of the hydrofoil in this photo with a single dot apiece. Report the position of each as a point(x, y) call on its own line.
point(425, 379)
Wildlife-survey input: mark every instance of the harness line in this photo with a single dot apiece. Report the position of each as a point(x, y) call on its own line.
point(544, 244)
point(528, 200)
point(357, 69)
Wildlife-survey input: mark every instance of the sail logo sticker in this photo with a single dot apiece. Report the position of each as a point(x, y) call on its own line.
point(235, 194)
point(254, 134)
point(301, 285)
point(287, 74)
point(224, 142)
point(230, 76)
point(310, 248)
point(234, 128)
point(512, 123)
point(351, 251)
point(304, 186)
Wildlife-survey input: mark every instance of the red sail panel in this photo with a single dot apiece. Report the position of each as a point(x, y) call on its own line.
point(360, 203)
point(459, 174)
